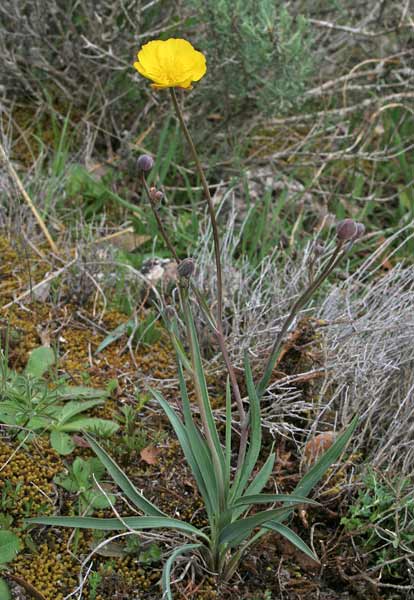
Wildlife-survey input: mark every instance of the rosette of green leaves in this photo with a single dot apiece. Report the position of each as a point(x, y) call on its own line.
point(228, 497)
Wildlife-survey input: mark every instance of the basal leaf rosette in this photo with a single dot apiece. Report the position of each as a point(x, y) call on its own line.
point(171, 63)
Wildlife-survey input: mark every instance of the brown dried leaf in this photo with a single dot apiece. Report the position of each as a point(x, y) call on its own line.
point(150, 455)
point(318, 445)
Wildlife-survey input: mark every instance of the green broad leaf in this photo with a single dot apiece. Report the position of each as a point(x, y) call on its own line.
point(269, 498)
point(98, 500)
point(100, 426)
point(123, 481)
point(80, 392)
point(166, 572)
point(136, 523)
point(38, 422)
point(240, 529)
point(202, 478)
point(74, 408)
point(292, 537)
point(255, 435)
point(9, 546)
point(5, 593)
point(61, 442)
point(40, 360)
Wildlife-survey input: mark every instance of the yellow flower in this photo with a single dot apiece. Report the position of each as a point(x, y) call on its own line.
point(171, 63)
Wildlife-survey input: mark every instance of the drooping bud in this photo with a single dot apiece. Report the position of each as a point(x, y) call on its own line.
point(145, 162)
point(186, 268)
point(346, 230)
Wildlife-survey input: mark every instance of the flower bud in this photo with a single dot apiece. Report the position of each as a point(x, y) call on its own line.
point(346, 230)
point(145, 162)
point(186, 268)
point(360, 230)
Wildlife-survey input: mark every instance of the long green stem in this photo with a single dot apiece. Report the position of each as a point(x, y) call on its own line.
point(211, 210)
point(298, 305)
point(243, 418)
point(159, 222)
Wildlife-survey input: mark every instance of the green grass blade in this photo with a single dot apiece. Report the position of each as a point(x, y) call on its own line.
point(258, 482)
point(166, 572)
point(269, 498)
point(135, 523)
point(122, 480)
point(227, 452)
point(255, 435)
point(240, 529)
point(202, 473)
point(292, 537)
point(200, 376)
point(327, 459)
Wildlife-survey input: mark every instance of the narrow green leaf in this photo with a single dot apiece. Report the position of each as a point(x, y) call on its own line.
point(188, 449)
point(202, 385)
point(227, 452)
point(243, 527)
point(255, 435)
point(327, 459)
point(292, 537)
point(122, 480)
point(198, 444)
point(270, 498)
point(166, 572)
point(135, 523)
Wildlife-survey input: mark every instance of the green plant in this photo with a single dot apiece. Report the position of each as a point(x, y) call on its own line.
point(95, 578)
point(9, 547)
point(382, 520)
point(31, 404)
point(230, 477)
point(83, 478)
point(134, 437)
point(267, 50)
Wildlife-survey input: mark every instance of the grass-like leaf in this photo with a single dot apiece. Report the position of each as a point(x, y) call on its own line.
point(238, 530)
point(268, 498)
point(255, 435)
point(166, 572)
point(122, 480)
point(203, 472)
point(135, 523)
point(292, 537)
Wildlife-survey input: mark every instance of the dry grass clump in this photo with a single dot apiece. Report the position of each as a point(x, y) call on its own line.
point(370, 359)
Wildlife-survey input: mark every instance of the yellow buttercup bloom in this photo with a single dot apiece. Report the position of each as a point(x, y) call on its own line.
point(171, 63)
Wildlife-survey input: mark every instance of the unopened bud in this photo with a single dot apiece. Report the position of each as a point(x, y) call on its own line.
point(145, 162)
point(186, 268)
point(360, 230)
point(346, 230)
